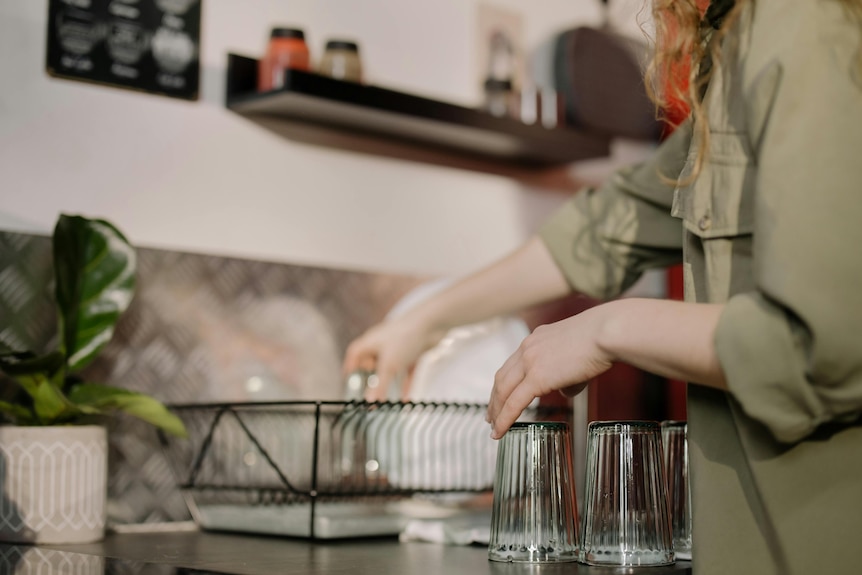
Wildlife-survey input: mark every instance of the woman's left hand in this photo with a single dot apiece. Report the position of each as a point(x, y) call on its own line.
point(562, 356)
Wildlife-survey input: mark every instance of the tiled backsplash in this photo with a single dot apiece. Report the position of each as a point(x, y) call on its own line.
point(201, 328)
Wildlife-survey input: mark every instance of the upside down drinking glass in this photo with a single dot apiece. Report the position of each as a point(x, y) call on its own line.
point(534, 518)
point(626, 520)
point(675, 446)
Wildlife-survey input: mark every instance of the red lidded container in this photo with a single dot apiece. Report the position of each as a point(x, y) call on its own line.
point(287, 49)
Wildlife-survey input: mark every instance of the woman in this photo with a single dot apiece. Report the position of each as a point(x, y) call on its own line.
point(766, 215)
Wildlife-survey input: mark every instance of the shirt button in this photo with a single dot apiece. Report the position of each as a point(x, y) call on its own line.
point(704, 223)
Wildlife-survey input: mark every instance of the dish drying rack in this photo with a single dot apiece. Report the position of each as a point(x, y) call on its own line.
point(330, 469)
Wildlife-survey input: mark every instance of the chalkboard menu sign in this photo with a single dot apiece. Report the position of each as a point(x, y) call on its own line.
point(149, 45)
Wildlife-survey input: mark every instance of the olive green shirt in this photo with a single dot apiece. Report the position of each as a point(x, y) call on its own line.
point(772, 227)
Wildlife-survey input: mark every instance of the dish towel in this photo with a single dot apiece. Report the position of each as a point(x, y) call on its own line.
point(472, 529)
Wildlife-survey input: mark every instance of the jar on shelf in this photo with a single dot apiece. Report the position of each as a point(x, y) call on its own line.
point(341, 61)
point(286, 50)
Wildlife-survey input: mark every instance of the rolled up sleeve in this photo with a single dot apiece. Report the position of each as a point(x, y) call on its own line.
point(604, 238)
point(792, 349)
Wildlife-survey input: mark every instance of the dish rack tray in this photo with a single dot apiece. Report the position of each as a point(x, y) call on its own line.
point(329, 469)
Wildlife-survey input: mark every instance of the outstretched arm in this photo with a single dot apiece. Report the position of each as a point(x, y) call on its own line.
point(526, 277)
point(668, 338)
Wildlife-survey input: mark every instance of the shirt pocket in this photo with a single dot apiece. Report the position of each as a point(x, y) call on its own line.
point(719, 202)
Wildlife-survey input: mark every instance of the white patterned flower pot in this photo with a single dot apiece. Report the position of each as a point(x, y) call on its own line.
point(53, 483)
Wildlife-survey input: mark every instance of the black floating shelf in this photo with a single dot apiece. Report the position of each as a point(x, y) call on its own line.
point(309, 98)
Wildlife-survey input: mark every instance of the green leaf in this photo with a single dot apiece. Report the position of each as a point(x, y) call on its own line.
point(16, 364)
point(19, 414)
point(94, 266)
point(107, 398)
point(35, 375)
point(49, 403)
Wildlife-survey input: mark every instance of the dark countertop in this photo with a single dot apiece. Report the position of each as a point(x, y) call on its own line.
point(188, 551)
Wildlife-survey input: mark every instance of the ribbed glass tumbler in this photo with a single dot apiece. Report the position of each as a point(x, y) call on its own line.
point(535, 517)
point(626, 517)
point(675, 445)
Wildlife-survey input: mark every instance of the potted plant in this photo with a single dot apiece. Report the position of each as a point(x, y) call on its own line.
point(53, 451)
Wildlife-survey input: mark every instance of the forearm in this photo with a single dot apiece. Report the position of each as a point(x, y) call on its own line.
point(669, 338)
point(526, 277)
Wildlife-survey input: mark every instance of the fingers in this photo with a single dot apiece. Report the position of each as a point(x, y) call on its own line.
point(516, 403)
point(359, 355)
point(379, 382)
point(513, 392)
point(364, 354)
point(382, 372)
point(505, 380)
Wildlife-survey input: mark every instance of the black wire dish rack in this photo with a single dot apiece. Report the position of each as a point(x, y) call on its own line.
point(333, 469)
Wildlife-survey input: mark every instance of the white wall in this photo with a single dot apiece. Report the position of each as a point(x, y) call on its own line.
point(195, 177)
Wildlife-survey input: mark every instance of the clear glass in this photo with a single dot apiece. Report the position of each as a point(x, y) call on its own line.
point(535, 517)
point(675, 445)
point(626, 516)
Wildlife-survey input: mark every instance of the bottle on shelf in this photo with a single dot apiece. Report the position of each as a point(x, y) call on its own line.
point(500, 98)
point(500, 91)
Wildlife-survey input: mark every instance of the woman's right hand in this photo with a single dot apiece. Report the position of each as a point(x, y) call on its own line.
point(390, 349)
